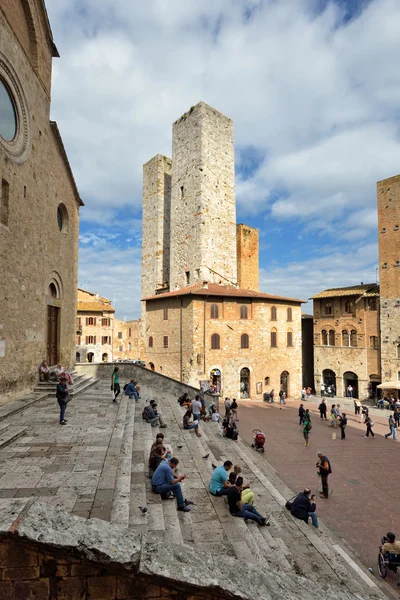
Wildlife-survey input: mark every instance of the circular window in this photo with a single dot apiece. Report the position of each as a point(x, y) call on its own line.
point(8, 117)
point(62, 218)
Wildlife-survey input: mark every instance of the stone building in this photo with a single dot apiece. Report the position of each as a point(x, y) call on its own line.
point(346, 339)
point(307, 350)
point(94, 328)
point(39, 206)
point(127, 340)
point(203, 318)
point(388, 192)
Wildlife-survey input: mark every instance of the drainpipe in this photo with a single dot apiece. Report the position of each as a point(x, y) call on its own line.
point(180, 341)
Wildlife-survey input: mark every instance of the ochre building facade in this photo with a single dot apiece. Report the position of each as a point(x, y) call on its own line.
point(94, 328)
point(346, 339)
point(203, 318)
point(39, 207)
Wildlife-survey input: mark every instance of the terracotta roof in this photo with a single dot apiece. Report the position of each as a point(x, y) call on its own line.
point(365, 289)
point(306, 316)
point(94, 307)
point(214, 289)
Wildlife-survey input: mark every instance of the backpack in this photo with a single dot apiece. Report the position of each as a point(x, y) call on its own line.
point(145, 413)
point(125, 386)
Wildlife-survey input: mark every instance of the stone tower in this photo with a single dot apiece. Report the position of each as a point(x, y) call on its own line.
point(156, 225)
point(203, 206)
point(247, 257)
point(388, 192)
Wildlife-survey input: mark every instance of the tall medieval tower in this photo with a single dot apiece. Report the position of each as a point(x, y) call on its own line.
point(388, 191)
point(203, 206)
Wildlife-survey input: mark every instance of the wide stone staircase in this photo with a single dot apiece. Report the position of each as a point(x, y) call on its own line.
point(95, 467)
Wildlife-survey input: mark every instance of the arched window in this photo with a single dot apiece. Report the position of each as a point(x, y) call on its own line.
point(353, 338)
point(345, 338)
point(52, 291)
point(348, 307)
point(373, 342)
point(244, 340)
point(104, 357)
point(151, 341)
point(331, 337)
point(289, 314)
point(243, 312)
point(274, 338)
point(215, 341)
point(214, 311)
point(328, 308)
point(289, 338)
point(324, 337)
point(398, 351)
point(78, 357)
point(273, 313)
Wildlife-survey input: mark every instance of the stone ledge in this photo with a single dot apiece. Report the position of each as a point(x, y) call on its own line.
point(121, 552)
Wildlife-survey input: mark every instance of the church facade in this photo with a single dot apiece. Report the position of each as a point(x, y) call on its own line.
point(203, 319)
point(39, 206)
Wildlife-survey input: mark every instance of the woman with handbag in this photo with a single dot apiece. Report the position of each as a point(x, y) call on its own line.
point(368, 422)
point(63, 397)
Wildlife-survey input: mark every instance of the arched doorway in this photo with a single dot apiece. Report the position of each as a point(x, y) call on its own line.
point(78, 357)
point(53, 323)
point(215, 380)
point(374, 381)
point(90, 357)
point(329, 382)
point(104, 357)
point(245, 382)
point(350, 379)
point(284, 382)
point(151, 365)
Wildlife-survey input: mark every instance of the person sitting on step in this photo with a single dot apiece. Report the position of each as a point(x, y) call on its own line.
point(219, 484)
point(157, 455)
point(303, 507)
point(238, 508)
point(188, 425)
point(131, 390)
point(165, 483)
point(158, 414)
point(247, 494)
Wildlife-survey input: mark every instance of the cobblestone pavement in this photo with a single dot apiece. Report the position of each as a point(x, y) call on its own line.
point(365, 479)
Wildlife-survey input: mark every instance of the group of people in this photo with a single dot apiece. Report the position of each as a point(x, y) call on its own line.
point(47, 374)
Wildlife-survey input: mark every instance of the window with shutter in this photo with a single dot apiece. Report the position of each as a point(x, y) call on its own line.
point(215, 341)
point(244, 341)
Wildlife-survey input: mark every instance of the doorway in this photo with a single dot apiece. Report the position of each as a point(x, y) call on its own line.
point(245, 382)
point(350, 379)
point(215, 381)
point(151, 365)
point(52, 334)
point(90, 357)
point(284, 383)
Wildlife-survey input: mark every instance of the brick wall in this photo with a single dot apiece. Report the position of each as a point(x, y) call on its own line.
point(29, 572)
point(129, 339)
point(388, 192)
point(247, 257)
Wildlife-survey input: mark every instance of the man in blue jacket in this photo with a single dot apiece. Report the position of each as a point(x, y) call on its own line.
point(165, 483)
point(131, 390)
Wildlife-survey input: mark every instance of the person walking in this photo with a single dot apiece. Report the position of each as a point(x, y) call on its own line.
point(357, 407)
point(227, 405)
point(333, 417)
point(324, 470)
point(272, 395)
point(306, 427)
point(396, 416)
point(63, 397)
point(349, 391)
point(302, 412)
point(322, 409)
point(282, 397)
point(392, 427)
point(342, 425)
point(368, 422)
point(115, 387)
point(234, 409)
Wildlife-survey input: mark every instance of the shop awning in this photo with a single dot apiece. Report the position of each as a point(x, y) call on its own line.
point(390, 385)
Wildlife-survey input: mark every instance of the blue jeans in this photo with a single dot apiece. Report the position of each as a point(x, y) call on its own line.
point(222, 492)
point(63, 406)
point(392, 432)
point(249, 512)
point(166, 488)
point(192, 426)
point(196, 417)
point(314, 519)
point(134, 395)
point(282, 400)
point(154, 422)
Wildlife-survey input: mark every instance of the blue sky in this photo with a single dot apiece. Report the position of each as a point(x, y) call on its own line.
point(313, 87)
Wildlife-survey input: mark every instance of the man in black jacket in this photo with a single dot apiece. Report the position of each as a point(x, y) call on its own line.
point(324, 469)
point(304, 507)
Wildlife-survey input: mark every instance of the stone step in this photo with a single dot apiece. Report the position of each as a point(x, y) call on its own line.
point(44, 386)
point(121, 496)
point(10, 434)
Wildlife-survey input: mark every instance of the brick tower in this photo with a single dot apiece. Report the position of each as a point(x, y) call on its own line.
point(388, 191)
point(203, 206)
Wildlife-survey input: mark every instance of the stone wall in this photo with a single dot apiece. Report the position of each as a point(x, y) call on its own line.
point(247, 257)
point(388, 192)
point(203, 207)
point(156, 224)
point(34, 253)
